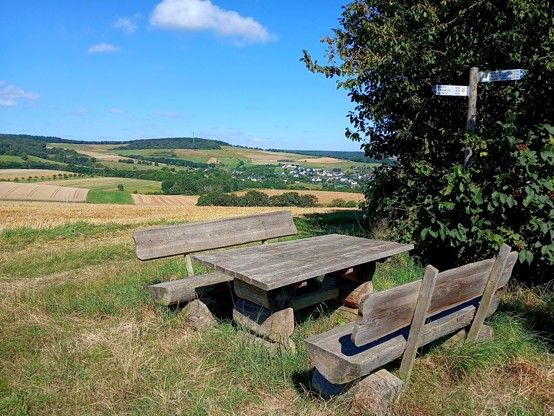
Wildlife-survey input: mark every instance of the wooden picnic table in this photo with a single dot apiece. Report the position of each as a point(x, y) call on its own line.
point(276, 265)
point(272, 280)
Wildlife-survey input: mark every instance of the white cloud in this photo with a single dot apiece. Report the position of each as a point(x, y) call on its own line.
point(103, 48)
point(117, 111)
point(197, 15)
point(127, 24)
point(8, 103)
point(10, 93)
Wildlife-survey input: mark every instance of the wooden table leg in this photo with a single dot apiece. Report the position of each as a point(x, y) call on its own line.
point(276, 326)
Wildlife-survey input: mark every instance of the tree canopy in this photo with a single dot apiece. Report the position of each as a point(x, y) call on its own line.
point(388, 55)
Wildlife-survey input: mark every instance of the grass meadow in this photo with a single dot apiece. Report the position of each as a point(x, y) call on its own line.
point(80, 335)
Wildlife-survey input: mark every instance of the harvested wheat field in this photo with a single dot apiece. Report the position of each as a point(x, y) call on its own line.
point(42, 215)
point(11, 174)
point(323, 197)
point(165, 200)
point(322, 160)
point(36, 192)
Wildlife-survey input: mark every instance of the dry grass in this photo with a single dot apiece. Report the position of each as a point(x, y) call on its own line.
point(166, 200)
point(83, 337)
point(41, 215)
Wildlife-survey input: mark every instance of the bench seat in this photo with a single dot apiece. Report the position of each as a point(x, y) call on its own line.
point(340, 361)
point(184, 239)
point(184, 290)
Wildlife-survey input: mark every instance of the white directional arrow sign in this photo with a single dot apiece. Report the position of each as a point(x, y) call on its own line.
point(503, 75)
point(453, 90)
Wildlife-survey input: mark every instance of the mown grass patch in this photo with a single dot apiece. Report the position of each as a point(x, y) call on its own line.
point(96, 196)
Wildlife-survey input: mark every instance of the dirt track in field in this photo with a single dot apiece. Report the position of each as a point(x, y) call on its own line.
point(39, 192)
point(165, 200)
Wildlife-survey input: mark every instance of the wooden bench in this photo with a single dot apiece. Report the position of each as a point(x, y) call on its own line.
point(395, 322)
point(184, 239)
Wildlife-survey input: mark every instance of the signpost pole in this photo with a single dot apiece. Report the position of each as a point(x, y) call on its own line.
point(471, 109)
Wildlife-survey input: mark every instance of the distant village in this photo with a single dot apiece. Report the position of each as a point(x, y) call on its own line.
point(355, 178)
point(352, 179)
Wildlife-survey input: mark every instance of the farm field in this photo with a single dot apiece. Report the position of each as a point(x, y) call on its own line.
point(229, 156)
point(40, 192)
point(110, 184)
point(166, 200)
point(80, 334)
point(11, 174)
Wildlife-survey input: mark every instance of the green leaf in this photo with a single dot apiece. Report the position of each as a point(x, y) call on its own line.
point(511, 201)
point(424, 233)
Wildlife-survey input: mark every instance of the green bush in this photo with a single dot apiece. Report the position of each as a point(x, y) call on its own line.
point(388, 55)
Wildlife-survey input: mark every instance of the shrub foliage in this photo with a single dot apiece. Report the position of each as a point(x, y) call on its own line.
point(258, 199)
point(388, 55)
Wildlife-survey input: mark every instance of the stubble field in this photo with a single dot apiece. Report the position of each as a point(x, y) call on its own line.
point(40, 192)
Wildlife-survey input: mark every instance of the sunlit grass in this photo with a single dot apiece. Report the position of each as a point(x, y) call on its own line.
point(79, 334)
point(106, 197)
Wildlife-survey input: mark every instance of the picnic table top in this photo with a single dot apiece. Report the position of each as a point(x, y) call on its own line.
point(272, 266)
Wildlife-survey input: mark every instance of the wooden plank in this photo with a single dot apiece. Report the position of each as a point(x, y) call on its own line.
point(318, 259)
point(385, 312)
point(376, 393)
point(159, 242)
point(185, 290)
point(340, 361)
point(281, 264)
point(351, 292)
point(188, 263)
point(416, 328)
point(490, 289)
point(277, 326)
point(253, 294)
point(297, 298)
point(361, 273)
point(328, 291)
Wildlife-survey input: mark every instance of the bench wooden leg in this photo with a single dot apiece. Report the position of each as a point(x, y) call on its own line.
point(377, 392)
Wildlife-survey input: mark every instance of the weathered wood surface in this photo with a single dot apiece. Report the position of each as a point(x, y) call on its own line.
point(490, 289)
point(277, 326)
point(340, 361)
point(351, 293)
point(416, 328)
point(361, 273)
point(376, 393)
point(310, 293)
point(385, 312)
point(187, 289)
point(276, 265)
point(166, 241)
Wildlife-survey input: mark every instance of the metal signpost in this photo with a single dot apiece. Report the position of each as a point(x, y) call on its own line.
point(471, 92)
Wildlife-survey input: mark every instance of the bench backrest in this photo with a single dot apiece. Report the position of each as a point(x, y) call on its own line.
point(385, 312)
point(166, 241)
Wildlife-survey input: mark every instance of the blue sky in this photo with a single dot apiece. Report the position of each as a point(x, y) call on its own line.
point(128, 69)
